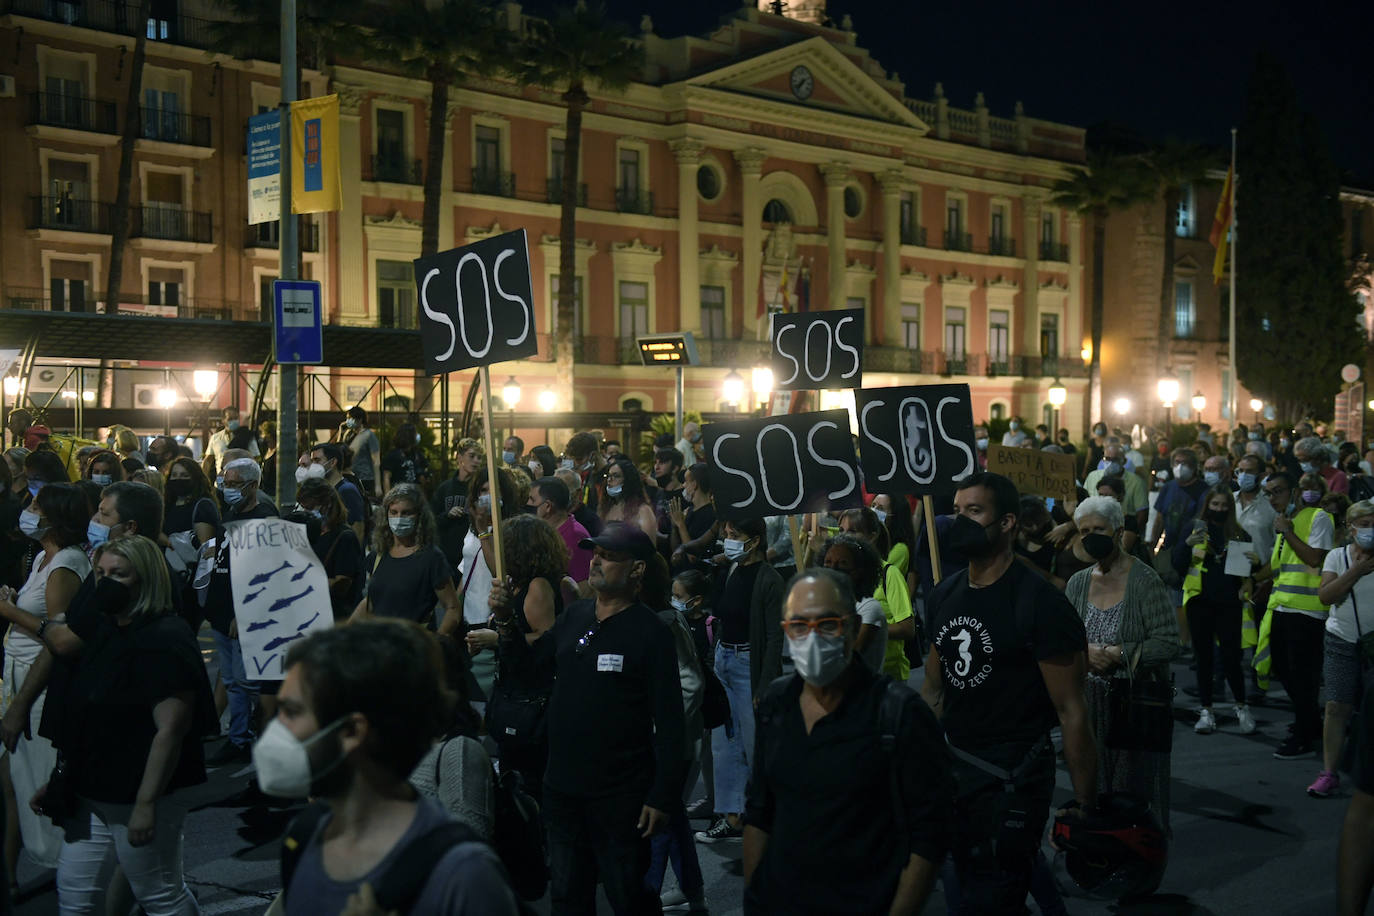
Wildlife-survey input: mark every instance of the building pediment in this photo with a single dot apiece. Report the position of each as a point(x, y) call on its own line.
point(827, 78)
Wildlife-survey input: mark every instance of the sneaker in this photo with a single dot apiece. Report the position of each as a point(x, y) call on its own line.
point(1247, 719)
point(1206, 722)
point(720, 830)
point(675, 901)
point(699, 809)
point(1293, 749)
point(1325, 785)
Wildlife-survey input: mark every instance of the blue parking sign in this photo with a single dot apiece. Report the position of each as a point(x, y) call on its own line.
point(298, 321)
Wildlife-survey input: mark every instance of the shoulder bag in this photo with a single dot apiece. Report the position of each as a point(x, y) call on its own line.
point(1140, 711)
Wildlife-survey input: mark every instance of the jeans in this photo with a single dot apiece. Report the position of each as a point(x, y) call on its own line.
point(597, 838)
point(1209, 620)
point(675, 843)
point(241, 691)
point(733, 748)
point(1043, 889)
point(153, 871)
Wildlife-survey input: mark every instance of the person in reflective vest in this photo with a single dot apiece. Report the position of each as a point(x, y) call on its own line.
point(1292, 631)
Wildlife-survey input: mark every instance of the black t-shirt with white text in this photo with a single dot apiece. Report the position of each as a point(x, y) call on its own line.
point(991, 641)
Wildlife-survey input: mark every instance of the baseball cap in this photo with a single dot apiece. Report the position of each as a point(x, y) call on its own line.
point(619, 537)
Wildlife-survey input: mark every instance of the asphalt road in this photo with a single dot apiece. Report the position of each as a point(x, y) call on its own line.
point(1247, 839)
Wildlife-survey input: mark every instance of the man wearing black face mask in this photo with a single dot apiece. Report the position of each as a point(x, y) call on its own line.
point(1006, 665)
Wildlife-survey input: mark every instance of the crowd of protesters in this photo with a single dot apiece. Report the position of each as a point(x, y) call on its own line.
point(638, 645)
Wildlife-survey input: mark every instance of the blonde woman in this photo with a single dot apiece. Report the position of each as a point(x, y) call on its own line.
point(409, 573)
point(129, 725)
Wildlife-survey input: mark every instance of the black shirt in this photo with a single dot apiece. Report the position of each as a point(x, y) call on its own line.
point(405, 586)
point(732, 602)
point(406, 467)
point(219, 597)
point(588, 519)
point(615, 719)
point(184, 517)
point(452, 531)
point(991, 641)
point(827, 803)
point(342, 555)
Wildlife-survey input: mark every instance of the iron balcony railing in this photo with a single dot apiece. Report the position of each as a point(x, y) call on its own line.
point(70, 214)
point(396, 170)
point(1054, 251)
point(268, 235)
point(553, 191)
point(56, 109)
point(174, 127)
point(173, 224)
point(493, 182)
point(633, 200)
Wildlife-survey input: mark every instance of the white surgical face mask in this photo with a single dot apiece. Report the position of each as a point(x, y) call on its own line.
point(819, 659)
point(103, 479)
point(302, 474)
point(484, 502)
point(1247, 481)
point(401, 526)
point(350, 423)
point(681, 606)
point(317, 471)
point(882, 516)
point(1211, 478)
point(283, 760)
point(615, 491)
point(1183, 472)
point(734, 548)
point(566, 464)
point(233, 495)
point(982, 445)
point(28, 523)
point(1364, 537)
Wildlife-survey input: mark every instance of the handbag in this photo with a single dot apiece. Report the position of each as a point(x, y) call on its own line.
point(59, 801)
point(515, 718)
point(715, 702)
point(1140, 712)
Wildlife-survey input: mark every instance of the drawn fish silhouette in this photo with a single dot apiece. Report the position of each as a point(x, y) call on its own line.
point(249, 597)
point(263, 577)
point(308, 622)
point(298, 575)
point(281, 641)
point(261, 625)
point(289, 600)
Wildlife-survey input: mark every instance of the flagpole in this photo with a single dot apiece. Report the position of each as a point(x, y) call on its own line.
point(1231, 317)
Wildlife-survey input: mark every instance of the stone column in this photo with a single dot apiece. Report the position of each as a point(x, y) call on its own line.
point(836, 175)
point(1030, 280)
point(751, 215)
point(448, 204)
point(688, 153)
point(352, 278)
point(893, 183)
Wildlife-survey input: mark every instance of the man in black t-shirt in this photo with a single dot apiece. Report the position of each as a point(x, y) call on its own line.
point(405, 463)
point(1006, 665)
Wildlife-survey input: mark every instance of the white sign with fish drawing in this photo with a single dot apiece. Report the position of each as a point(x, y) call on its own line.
point(281, 594)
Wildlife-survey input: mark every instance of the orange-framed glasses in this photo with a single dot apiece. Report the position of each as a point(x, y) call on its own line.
point(799, 627)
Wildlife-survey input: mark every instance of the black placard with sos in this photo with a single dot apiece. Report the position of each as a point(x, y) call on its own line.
point(818, 350)
point(917, 439)
point(783, 465)
point(477, 304)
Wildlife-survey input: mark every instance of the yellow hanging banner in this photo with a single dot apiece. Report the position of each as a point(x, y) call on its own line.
point(315, 184)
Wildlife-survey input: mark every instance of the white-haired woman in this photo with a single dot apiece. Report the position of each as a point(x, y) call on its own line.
point(1132, 633)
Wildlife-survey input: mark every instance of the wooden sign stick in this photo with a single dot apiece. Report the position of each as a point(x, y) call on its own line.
point(928, 510)
point(493, 482)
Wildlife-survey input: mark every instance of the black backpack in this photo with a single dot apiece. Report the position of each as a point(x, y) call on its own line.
point(518, 836)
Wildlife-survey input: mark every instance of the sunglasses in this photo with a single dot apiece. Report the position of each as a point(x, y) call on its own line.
point(585, 639)
point(800, 627)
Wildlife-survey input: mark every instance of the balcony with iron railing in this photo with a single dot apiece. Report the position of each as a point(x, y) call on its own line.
point(553, 191)
point(174, 127)
point(1054, 251)
point(958, 241)
point(70, 214)
point(913, 235)
point(493, 182)
point(396, 170)
point(172, 224)
point(400, 316)
point(36, 299)
point(117, 16)
point(56, 109)
point(1001, 246)
point(633, 200)
point(268, 235)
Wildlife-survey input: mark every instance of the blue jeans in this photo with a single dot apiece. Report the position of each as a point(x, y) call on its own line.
point(732, 749)
point(241, 691)
point(675, 843)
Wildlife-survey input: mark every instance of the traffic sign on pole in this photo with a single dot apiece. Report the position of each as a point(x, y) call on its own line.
point(299, 324)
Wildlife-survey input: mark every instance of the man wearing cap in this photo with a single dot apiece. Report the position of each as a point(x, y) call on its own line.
point(615, 724)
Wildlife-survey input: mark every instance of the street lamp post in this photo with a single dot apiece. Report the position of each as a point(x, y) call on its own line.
point(510, 393)
point(733, 389)
point(1057, 395)
point(1121, 406)
point(205, 382)
point(1199, 405)
point(1256, 405)
point(166, 399)
point(1167, 390)
point(547, 402)
point(763, 386)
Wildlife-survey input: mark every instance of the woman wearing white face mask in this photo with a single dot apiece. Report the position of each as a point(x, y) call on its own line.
point(409, 572)
point(747, 600)
point(625, 500)
point(1349, 589)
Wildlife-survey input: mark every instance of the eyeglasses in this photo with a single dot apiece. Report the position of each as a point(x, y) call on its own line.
point(799, 627)
point(586, 638)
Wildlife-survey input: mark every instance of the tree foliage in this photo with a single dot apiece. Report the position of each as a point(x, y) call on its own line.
point(1296, 316)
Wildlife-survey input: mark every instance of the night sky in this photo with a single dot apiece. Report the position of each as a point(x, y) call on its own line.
point(1165, 69)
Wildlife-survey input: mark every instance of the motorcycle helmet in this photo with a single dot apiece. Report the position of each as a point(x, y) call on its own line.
point(1117, 851)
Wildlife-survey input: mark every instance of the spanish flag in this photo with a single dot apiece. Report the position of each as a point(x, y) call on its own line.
point(1221, 226)
point(315, 184)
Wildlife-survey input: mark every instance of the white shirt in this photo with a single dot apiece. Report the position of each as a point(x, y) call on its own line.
point(1257, 520)
point(33, 598)
point(1014, 438)
point(219, 441)
point(476, 582)
point(1341, 621)
point(871, 613)
point(1321, 537)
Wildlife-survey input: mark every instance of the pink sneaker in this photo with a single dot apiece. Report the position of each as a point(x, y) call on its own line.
point(1325, 785)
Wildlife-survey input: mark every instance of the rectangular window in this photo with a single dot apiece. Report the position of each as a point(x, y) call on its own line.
point(999, 337)
point(488, 150)
point(396, 294)
point(577, 302)
point(69, 194)
point(391, 139)
point(1184, 408)
point(911, 327)
point(164, 189)
point(907, 216)
point(954, 219)
point(634, 309)
point(1185, 313)
point(1184, 219)
point(628, 176)
point(161, 112)
point(69, 285)
point(165, 286)
point(954, 334)
point(1047, 233)
point(556, 152)
point(998, 232)
point(713, 312)
point(1049, 336)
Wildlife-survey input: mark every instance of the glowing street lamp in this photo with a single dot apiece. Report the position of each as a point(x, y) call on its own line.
point(733, 388)
point(205, 382)
point(1167, 389)
point(510, 393)
point(547, 399)
point(1256, 405)
point(1199, 405)
point(1122, 406)
point(763, 384)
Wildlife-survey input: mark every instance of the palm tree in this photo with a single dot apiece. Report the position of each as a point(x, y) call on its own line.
point(577, 48)
point(119, 229)
point(442, 45)
point(1108, 182)
point(1174, 166)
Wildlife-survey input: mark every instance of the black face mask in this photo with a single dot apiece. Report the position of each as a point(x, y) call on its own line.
point(1217, 517)
point(970, 538)
point(178, 487)
point(111, 596)
point(1098, 546)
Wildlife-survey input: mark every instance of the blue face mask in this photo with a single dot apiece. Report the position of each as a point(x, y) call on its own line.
point(1364, 538)
point(1307, 467)
point(34, 487)
point(1247, 481)
point(96, 533)
point(614, 491)
point(1211, 478)
point(508, 457)
point(1110, 468)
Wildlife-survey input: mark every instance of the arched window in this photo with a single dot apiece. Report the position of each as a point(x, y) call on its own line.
point(997, 411)
point(632, 404)
point(775, 211)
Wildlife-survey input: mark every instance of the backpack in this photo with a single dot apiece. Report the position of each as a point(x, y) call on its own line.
point(518, 836)
point(400, 885)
